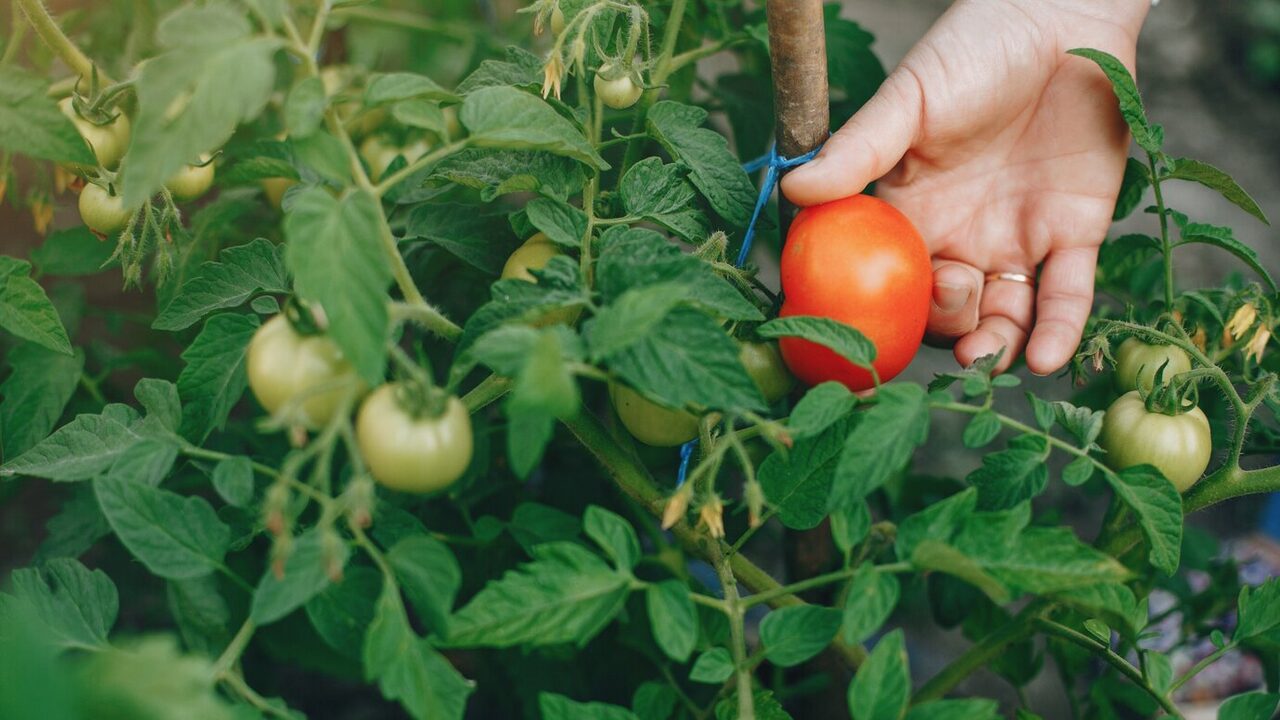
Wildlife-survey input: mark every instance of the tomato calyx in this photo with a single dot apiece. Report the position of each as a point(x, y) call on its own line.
point(420, 399)
point(305, 318)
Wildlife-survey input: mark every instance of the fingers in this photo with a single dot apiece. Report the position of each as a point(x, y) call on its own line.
point(957, 290)
point(867, 147)
point(1062, 307)
point(1006, 311)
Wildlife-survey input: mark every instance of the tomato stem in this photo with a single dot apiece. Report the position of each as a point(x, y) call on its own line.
point(47, 28)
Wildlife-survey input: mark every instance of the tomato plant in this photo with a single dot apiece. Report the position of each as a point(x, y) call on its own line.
point(860, 262)
point(385, 420)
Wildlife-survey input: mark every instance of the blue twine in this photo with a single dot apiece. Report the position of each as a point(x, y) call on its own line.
point(775, 164)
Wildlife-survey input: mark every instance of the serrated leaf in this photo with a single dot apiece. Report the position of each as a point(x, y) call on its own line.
point(1158, 507)
point(660, 193)
point(845, 340)
point(566, 595)
point(869, 600)
point(496, 172)
point(1114, 602)
point(673, 618)
point(305, 575)
point(822, 406)
point(1259, 610)
point(882, 687)
point(214, 378)
point(73, 252)
point(396, 87)
point(1078, 471)
point(713, 666)
point(336, 261)
point(176, 537)
point(614, 535)
point(233, 480)
point(304, 108)
point(343, 611)
point(559, 707)
point(982, 429)
point(1214, 179)
point(1250, 706)
point(1224, 238)
point(240, 273)
point(25, 310)
point(798, 482)
point(76, 605)
point(1137, 178)
point(481, 239)
point(31, 123)
point(35, 394)
point(563, 223)
point(503, 117)
point(712, 167)
point(429, 575)
point(793, 634)
point(1013, 475)
point(1147, 137)
point(79, 450)
point(882, 443)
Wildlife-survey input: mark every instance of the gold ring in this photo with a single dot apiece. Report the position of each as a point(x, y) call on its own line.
point(1012, 277)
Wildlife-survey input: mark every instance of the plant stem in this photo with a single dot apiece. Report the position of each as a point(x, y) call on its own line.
point(1105, 652)
point(48, 30)
point(426, 316)
point(661, 72)
point(983, 652)
point(489, 390)
point(234, 650)
point(1206, 662)
point(1165, 244)
point(407, 20)
point(418, 165)
point(737, 635)
point(17, 34)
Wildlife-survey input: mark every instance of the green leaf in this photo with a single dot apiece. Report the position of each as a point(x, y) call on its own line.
point(1214, 179)
point(336, 261)
point(214, 377)
point(1043, 411)
point(798, 482)
point(869, 601)
point(304, 108)
point(673, 618)
point(1156, 503)
point(176, 537)
point(79, 450)
point(654, 700)
point(1259, 610)
point(503, 117)
point(77, 526)
point(567, 595)
point(1137, 178)
point(201, 614)
point(1148, 137)
point(429, 575)
point(73, 252)
point(35, 394)
point(1249, 706)
point(938, 556)
point(1224, 238)
point(982, 429)
point(845, 340)
point(498, 172)
point(821, 407)
point(1045, 560)
point(563, 223)
point(766, 705)
point(614, 535)
point(713, 169)
point(305, 575)
point(850, 526)
point(397, 87)
point(520, 67)
point(149, 677)
point(660, 193)
point(533, 524)
point(1112, 602)
point(882, 687)
point(796, 633)
point(214, 74)
point(1078, 471)
point(408, 668)
point(969, 709)
point(233, 480)
point(241, 272)
point(76, 605)
point(939, 521)
point(1011, 476)
point(26, 311)
point(688, 359)
point(147, 462)
point(31, 123)
point(559, 707)
point(162, 403)
point(882, 443)
point(343, 611)
point(712, 667)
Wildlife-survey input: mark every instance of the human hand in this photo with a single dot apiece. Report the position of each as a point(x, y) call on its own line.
point(1006, 152)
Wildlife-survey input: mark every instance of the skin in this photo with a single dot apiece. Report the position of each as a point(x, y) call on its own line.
point(418, 455)
point(1007, 154)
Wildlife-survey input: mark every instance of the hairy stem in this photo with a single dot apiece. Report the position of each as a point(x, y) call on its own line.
point(1105, 652)
point(737, 635)
point(47, 28)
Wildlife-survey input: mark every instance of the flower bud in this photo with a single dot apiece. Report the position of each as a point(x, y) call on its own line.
point(677, 506)
point(711, 514)
point(1242, 320)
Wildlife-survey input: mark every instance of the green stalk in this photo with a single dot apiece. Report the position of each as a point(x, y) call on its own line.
point(1165, 244)
point(737, 636)
point(62, 46)
point(1107, 654)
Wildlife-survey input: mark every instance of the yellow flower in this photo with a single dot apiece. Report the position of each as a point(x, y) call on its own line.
point(677, 506)
point(1242, 320)
point(1257, 344)
point(41, 215)
point(551, 74)
point(711, 514)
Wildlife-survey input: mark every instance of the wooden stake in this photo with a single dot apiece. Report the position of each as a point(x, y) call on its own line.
point(798, 54)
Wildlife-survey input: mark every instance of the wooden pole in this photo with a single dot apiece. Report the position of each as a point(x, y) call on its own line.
point(798, 54)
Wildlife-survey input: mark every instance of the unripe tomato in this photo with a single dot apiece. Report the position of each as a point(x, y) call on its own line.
point(275, 188)
point(767, 371)
point(378, 153)
point(413, 454)
point(1137, 364)
point(534, 254)
point(617, 87)
point(191, 181)
point(103, 212)
point(557, 20)
point(284, 364)
point(1178, 445)
point(649, 422)
point(109, 141)
point(860, 262)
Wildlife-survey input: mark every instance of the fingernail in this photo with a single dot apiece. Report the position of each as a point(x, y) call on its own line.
point(950, 297)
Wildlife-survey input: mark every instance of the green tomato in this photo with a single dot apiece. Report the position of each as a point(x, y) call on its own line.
point(1178, 445)
point(616, 87)
point(764, 364)
point(103, 212)
point(109, 142)
point(378, 153)
point(534, 254)
point(1137, 364)
point(557, 20)
point(649, 422)
point(191, 181)
point(413, 454)
point(275, 188)
point(284, 364)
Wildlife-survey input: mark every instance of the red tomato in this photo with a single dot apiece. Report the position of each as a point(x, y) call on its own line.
point(860, 262)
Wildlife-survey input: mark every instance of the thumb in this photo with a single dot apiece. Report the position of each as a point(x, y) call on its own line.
point(866, 148)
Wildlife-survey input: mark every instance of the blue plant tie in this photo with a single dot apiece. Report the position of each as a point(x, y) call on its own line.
point(775, 164)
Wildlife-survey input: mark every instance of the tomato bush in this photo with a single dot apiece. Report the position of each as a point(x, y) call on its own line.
point(419, 308)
